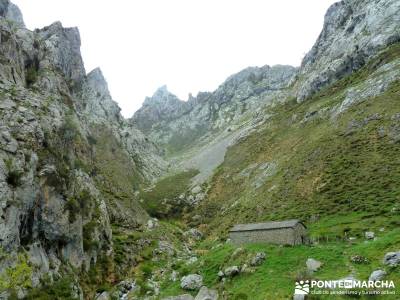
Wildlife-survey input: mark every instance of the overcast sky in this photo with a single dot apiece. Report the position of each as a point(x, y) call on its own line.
point(189, 45)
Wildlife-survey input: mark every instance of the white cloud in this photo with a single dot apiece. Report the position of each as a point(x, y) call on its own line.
point(189, 45)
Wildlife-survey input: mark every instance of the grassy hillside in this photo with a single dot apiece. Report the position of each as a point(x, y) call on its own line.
point(117, 179)
point(307, 164)
point(276, 277)
point(165, 198)
point(339, 173)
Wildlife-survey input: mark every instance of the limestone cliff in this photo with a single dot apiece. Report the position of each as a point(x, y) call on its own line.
point(197, 132)
point(69, 162)
point(353, 32)
point(177, 124)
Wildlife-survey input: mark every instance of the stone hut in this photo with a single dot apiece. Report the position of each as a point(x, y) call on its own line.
point(290, 232)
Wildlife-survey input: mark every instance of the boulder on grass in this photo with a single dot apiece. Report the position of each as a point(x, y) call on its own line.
point(194, 234)
point(231, 271)
point(191, 282)
point(377, 275)
point(369, 235)
point(258, 259)
point(313, 265)
point(392, 259)
point(206, 294)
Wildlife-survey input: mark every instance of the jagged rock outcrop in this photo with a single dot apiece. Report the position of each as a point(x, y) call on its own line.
point(96, 102)
point(176, 124)
point(13, 65)
point(204, 126)
point(161, 107)
point(125, 156)
point(354, 31)
point(61, 50)
point(50, 207)
point(98, 107)
point(11, 12)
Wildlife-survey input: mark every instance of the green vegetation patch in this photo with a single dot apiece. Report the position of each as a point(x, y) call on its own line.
point(61, 289)
point(161, 200)
point(276, 277)
point(15, 276)
point(325, 166)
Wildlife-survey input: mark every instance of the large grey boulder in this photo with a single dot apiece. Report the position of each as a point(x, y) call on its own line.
point(193, 233)
point(164, 248)
point(369, 235)
point(313, 265)
point(231, 271)
point(258, 259)
point(206, 294)
point(392, 259)
point(191, 282)
point(377, 275)
point(152, 224)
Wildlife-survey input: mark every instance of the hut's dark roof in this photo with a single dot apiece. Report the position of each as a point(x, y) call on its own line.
point(266, 226)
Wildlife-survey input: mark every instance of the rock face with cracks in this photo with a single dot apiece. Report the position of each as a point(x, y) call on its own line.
point(57, 197)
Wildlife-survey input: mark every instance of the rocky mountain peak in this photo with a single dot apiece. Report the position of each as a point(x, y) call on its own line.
point(71, 34)
point(96, 80)
point(62, 48)
point(97, 101)
point(274, 74)
point(245, 83)
point(162, 97)
point(11, 12)
point(162, 106)
point(162, 90)
point(353, 32)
